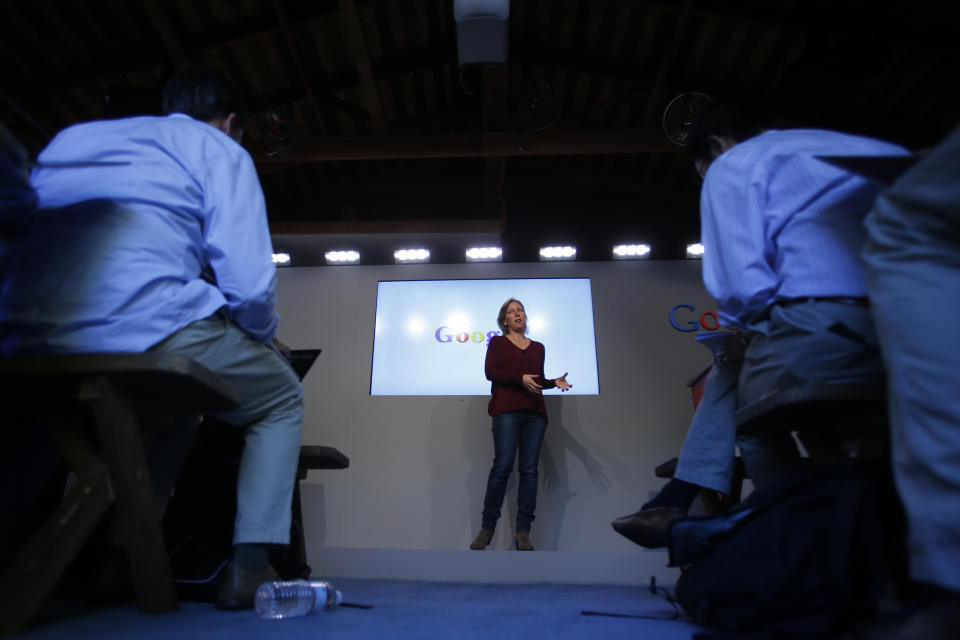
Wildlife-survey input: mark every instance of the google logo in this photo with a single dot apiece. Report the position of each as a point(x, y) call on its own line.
point(693, 325)
point(444, 334)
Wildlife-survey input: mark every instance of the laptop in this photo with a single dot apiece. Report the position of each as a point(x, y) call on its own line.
point(302, 359)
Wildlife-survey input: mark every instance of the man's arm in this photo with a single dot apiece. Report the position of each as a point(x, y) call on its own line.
point(238, 242)
point(737, 264)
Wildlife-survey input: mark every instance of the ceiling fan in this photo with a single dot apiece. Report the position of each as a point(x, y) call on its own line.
point(681, 113)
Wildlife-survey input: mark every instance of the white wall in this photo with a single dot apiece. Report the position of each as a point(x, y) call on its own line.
point(418, 465)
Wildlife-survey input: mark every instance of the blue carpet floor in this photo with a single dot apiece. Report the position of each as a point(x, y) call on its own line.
point(401, 610)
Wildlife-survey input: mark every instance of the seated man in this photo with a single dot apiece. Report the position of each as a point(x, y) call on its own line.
point(782, 233)
point(155, 238)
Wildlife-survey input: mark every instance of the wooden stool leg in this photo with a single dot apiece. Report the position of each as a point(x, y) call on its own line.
point(123, 454)
point(36, 569)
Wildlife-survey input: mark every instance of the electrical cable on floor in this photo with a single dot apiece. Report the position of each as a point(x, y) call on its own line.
point(655, 590)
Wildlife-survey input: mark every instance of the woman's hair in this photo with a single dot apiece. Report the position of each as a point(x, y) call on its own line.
point(502, 316)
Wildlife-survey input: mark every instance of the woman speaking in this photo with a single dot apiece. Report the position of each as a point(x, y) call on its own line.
point(514, 366)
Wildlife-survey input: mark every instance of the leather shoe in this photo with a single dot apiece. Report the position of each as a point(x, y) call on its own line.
point(648, 527)
point(523, 541)
point(239, 586)
point(482, 540)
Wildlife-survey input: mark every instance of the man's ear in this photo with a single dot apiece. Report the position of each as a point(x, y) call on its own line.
point(720, 144)
point(229, 125)
point(234, 127)
point(716, 146)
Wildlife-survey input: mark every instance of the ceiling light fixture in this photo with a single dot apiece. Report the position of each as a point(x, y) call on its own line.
point(558, 253)
point(342, 257)
point(281, 259)
point(695, 250)
point(484, 254)
point(411, 255)
point(631, 251)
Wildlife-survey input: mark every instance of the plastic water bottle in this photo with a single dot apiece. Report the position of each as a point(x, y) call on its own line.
point(292, 598)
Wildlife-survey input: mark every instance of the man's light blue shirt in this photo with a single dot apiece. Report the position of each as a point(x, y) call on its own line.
point(169, 227)
point(778, 223)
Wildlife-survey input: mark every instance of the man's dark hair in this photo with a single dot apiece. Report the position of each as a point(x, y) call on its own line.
point(204, 93)
point(723, 119)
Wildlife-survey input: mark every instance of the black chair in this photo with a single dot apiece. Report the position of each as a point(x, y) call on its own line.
point(109, 462)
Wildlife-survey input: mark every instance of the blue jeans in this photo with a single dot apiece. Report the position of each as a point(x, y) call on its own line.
point(514, 430)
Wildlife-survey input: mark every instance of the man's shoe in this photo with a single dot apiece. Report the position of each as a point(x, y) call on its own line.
point(239, 586)
point(482, 540)
point(648, 527)
point(523, 541)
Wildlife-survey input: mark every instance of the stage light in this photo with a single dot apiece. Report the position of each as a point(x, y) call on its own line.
point(695, 250)
point(631, 252)
point(342, 257)
point(281, 259)
point(558, 253)
point(411, 255)
point(484, 254)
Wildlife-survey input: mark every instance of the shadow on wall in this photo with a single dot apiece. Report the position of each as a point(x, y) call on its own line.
point(457, 422)
point(561, 503)
point(315, 515)
point(559, 515)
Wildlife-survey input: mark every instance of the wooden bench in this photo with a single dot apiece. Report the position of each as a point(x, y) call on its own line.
point(109, 462)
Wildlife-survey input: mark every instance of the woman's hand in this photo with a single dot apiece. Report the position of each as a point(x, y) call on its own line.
point(562, 383)
point(530, 383)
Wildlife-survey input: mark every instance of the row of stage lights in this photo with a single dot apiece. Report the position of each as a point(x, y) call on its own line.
point(491, 254)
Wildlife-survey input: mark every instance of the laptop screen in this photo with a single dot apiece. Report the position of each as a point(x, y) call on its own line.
point(302, 359)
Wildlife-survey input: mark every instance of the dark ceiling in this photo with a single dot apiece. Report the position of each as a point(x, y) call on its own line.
point(363, 125)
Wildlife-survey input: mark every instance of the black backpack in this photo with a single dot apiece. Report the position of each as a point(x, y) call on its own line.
point(804, 557)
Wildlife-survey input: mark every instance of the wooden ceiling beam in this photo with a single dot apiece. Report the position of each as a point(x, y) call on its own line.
point(297, 59)
point(162, 26)
point(491, 143)
point(357, 48)
point(385, 226)
point(495, 81)
point(657, 101)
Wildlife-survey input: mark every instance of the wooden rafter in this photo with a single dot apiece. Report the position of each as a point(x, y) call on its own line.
point(465, 145)
point(357, 48)
point(165, 31)
point(666, 63)
point(297, 59)
point(495, 118)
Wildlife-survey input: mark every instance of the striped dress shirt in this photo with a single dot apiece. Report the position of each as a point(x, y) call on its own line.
point(778, 223)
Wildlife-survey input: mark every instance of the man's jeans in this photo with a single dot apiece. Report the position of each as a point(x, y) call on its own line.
point(514, 430)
